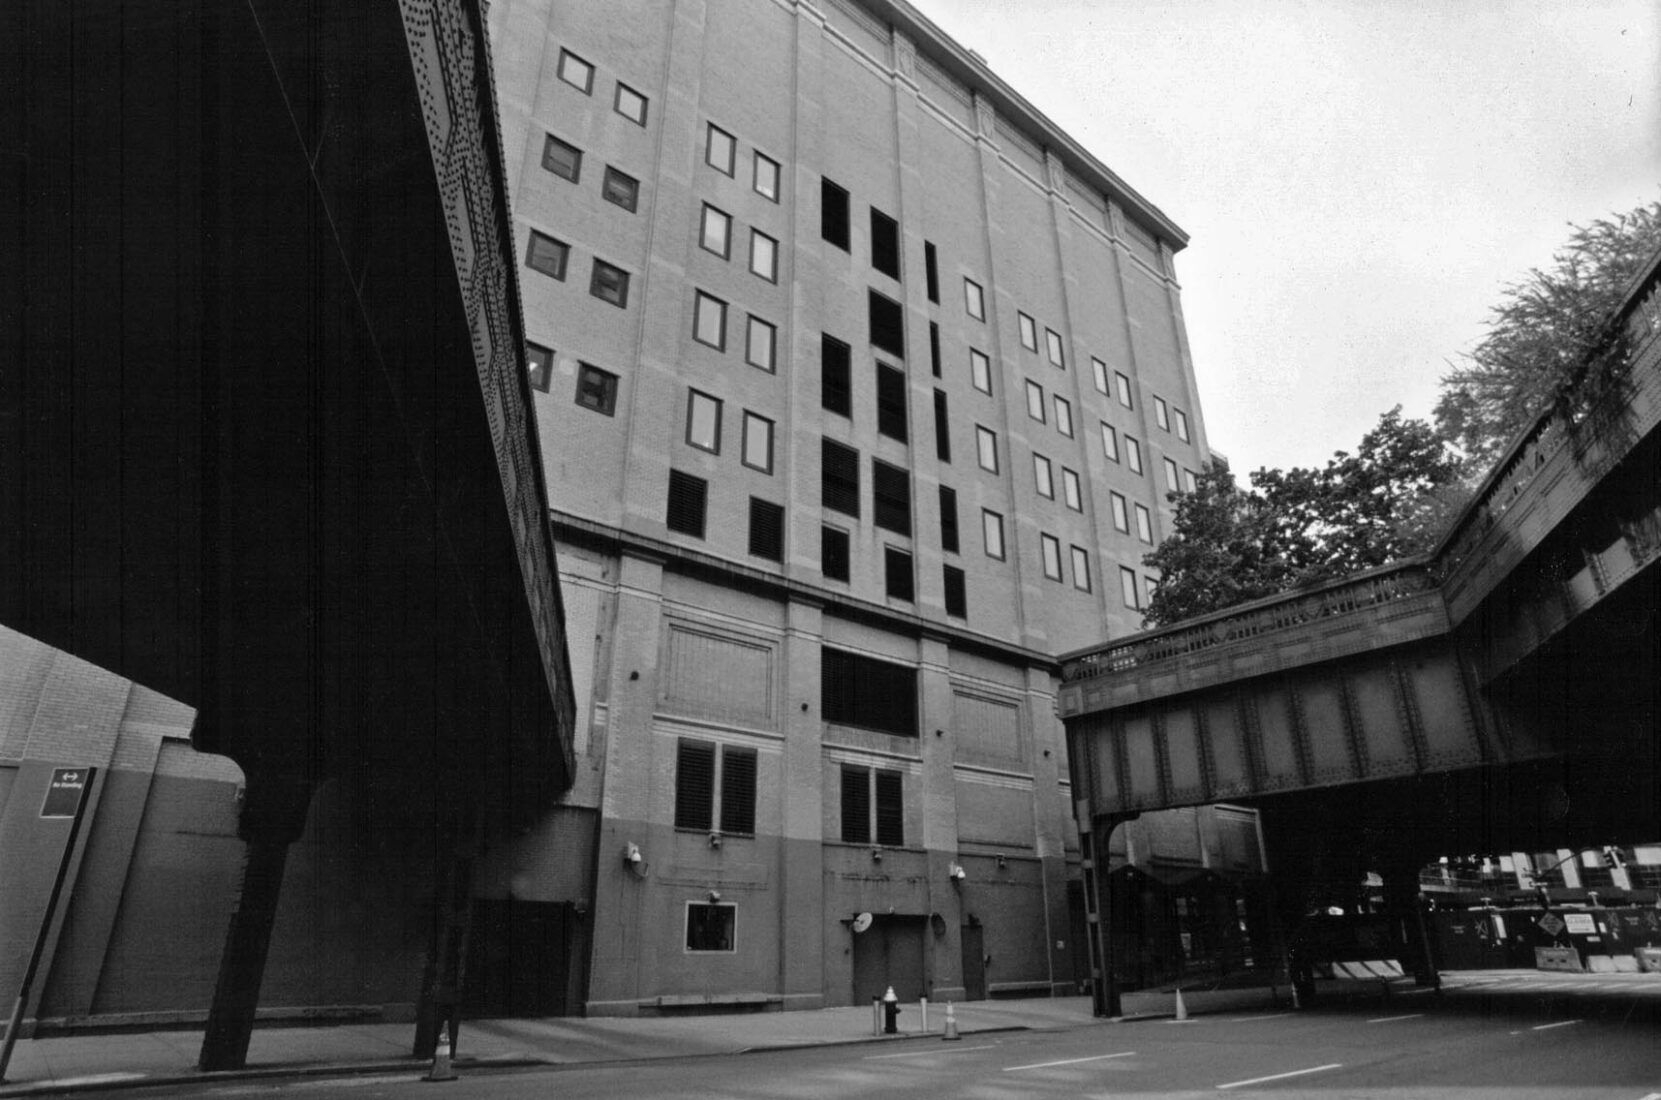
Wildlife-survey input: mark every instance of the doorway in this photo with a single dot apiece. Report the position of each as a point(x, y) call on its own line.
point(974, 963)
point(890, 953)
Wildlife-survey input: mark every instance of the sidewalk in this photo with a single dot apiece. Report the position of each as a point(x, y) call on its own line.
point(64, 1064)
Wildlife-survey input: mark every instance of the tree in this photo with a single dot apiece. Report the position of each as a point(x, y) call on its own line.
point(1385, 502)
point(1545, 335)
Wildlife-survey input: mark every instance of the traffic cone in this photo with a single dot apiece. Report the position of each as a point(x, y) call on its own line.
point(1182, 1009)
point(951, 1024)
point(441, 1070)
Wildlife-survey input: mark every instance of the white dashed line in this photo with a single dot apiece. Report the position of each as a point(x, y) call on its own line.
point(1250, 1019)
point(1282, 1076)
point(1393, 1019)
point(1548, 1027)
point(1070, 1061)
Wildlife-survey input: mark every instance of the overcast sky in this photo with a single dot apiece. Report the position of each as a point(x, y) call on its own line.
point(1359, 180)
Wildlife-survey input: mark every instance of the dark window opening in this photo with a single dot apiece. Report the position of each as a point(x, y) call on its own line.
point(897, 575)
point(934, 348)
point(620, 188)
point(709, 927)
point(596, 389)
point(836, 387)
point(885, 244)
point(957, 600)
point(948, 519)
point(688, 497)
point(833, 214)
point(547, 255)
point(694, 784)
point(887, 324)
point(890, 809)
point(610, 284)
point(942, 431)
point(856, 805)
point(890, 498)
point(562, 158)
point(931, 271)
point(862, 691)
point(833, 553)
point(766, 529)
point(892, 420)
point(738, 790)
point(539, 363)
point(839, 478)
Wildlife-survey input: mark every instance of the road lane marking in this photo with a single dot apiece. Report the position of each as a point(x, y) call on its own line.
point(1282, 1076)
point(1548, 1027)
point(1392, 1019)
point(931, 1050)
point(1249, 1019)
point(1070, 1061)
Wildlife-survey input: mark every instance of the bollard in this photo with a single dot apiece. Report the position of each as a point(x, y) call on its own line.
point(1182, 1009)
point(876, 1015)
point(923, 1005)
point(951, 1024)
point(441, 1070)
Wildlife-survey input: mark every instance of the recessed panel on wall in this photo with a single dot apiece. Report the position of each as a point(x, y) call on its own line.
point(1450, 739)
point(719, 676)
point(988, 730)
point(1326, 729)
point(994, 809)
point(1182, 749)
point(1095, 739)
point(1280, 754)
point(1230, 772)
point(1389, 750)
point(1141, 763)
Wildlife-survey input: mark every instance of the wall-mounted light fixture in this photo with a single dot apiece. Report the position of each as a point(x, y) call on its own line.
point(876, 855)
point(714, 896)
point(633, 860)
point(1002, 863)
point(955, 872)
point(714, 840)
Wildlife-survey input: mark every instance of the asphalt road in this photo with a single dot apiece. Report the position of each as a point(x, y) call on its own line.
point(1402, 1048)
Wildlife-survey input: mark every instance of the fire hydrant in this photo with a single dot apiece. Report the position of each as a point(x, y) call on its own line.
point(890, 1013)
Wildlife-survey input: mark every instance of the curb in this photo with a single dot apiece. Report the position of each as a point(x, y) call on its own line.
point(120, 1080)
point(869, 1040)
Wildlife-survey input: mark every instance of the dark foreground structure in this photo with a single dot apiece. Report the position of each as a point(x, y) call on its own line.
point(1499, 695)
point(265, 420)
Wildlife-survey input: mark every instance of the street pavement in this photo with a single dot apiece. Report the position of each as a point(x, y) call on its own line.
point(1522, 1029)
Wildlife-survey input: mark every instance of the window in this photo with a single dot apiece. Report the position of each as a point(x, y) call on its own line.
point(885, 244)
point(764, 256)
point(1099, 370)
point(1051, 547)
point(887, 324)
point(1149, 587)
point(974, 300)
point(1110, 442)
point(719, 150)
point(948, 519)
point(1173, 480)
point(942, 428)
point(1182, 424)
point(890, 498)
point(539, 363)
point(703, 421)
point(836, 392)
point(547, 255)
point(1190, 483)
point(699, 802)
point(1121, 386)
point(992, 533)
point(761, 344)
point(833, 553)
point(1133, 454)
point(934, 348)
point(897, 576)
point(1029, 331)
point(1035, 401)
point(1081, 568)
point(1121, 517)
point(1064, 416)
point(576, 72)
point(562, 158)
point(957, 597)
point(621, 189)
point(715, 234)
point(688, 496)
point(856, 690)
point(986, 448)
point(839, 478)
point(766, 529)
point(1070, 490)
point(833, 214)
point(1042, 476)
point(1127, 587)
point(630, 104)
point(609, 283)
point(865, 817)
point(1144, 524)
point(891, 403)
point(709, 321)
point(1161, 413)
point(980, 371)
point(931, 271)
point(596, 389)
point(765, 178)
point(758, 442)
point(1052, 346)
point(709, 926)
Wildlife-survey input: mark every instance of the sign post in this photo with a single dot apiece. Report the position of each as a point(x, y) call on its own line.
point(65, 797)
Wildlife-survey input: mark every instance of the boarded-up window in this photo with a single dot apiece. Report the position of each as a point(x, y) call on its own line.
point(694, 784)
point(861, 691)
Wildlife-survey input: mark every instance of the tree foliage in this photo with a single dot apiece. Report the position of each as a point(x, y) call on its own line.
point(1295, 527)
point(1545, 334)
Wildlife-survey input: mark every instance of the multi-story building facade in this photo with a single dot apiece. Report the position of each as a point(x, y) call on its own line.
point(862, 387)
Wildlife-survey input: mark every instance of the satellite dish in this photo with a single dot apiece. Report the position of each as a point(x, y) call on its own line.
point(862, 921)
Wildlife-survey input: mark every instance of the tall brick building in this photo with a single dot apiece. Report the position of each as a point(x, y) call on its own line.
point(861, 388)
